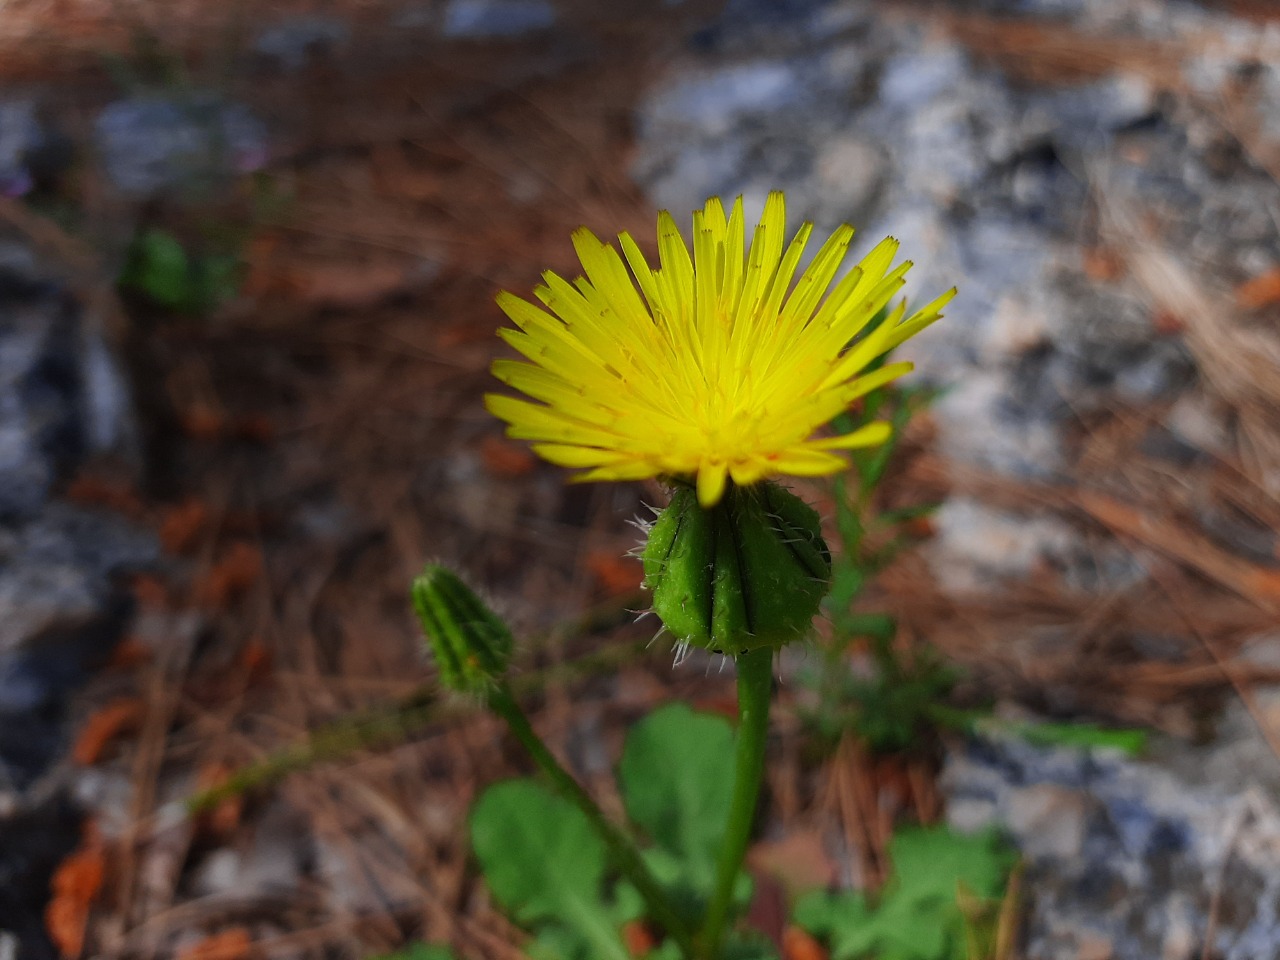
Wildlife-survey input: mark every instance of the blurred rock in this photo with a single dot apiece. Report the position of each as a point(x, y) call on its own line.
point(62, 401)
point(292, 43)
point(62, 398)
point(986, 183)
point(64, 609)
point(158, 143)
point(1134, 853)
point(21, 137)
point(490, 19)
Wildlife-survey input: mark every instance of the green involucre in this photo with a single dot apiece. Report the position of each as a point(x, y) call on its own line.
point(471, 644)
point(747, 573)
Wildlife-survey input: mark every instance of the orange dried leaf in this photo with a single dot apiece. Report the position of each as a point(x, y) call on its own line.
point(1102, 265)
point(117, 717)
point(237, 570)
point(150, 592)
point(799, 945)
point(233, 944)
point(203, 423)
point(97, 492)
point(129, 652)
point(1167, 323)
point(255, 660)
point(181, 525)
point(75, 885)
point(1262, 291)
point(616, 575)
point(505, 459)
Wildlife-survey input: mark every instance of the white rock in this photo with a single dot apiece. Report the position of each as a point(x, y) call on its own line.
point(1048, 820)
point(976, 543)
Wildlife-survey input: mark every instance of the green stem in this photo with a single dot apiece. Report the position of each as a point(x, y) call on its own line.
point(755, 684)
point(624, 851)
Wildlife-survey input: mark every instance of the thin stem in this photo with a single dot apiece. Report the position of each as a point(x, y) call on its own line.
point(624, 851)
point(755, 684)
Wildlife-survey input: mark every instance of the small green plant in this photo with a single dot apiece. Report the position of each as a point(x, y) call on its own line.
point(161, 269)
point(940, 904)
point(891, 709)
point(547, 867)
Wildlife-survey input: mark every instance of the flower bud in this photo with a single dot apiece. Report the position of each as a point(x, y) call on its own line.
point(746, 573)
point(471, 644)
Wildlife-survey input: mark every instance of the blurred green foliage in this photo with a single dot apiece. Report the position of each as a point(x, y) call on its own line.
point(940, 904)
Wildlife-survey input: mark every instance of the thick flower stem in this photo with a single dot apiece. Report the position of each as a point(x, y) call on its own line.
point(624, 852)
point(755, 682)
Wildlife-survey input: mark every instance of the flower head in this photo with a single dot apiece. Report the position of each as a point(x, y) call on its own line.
point(713, 366)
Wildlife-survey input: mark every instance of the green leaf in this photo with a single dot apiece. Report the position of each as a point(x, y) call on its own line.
point(918, 916)
point(420, 951)
point(543, 862)
point(1129, 741)
point(676, 778)
point(159, 268)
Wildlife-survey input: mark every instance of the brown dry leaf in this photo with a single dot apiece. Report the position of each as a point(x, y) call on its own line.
point(75, 886)
point(1262, 291)
point(121, 715)
point(1167, 323)
point(799, 945)
point(349, 286)
point(1102, 264)
point(254, 661)
point(1188, 547)
point(461, 334)
point(233, 944)
point(97, 492)
point(128, 653)
point(203, 423)
point(181, 525)
point(237, 570)
point(505, 459)
point(149, 591)
point(260, 254)
point(799, 860)
point(617, 575)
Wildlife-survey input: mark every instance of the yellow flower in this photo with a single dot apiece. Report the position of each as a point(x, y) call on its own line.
point(716, 367)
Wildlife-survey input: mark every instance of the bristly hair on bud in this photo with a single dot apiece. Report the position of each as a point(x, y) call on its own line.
point(471, 644)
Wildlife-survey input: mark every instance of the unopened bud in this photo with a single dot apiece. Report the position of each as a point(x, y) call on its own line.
point(471, 643)
point(746, 573)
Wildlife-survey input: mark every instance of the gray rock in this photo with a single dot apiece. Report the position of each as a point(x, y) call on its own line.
point(158, 143)
point(1132, 853)
point(21, 135)
point(61, 396)
point(489, 19)
point(62, 400)
point(711, 102)
point(55, 569)
point(295, 41)
point(42, 391)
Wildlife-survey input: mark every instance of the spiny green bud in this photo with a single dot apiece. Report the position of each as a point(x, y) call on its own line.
point(749, 572)
point(471, 643)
